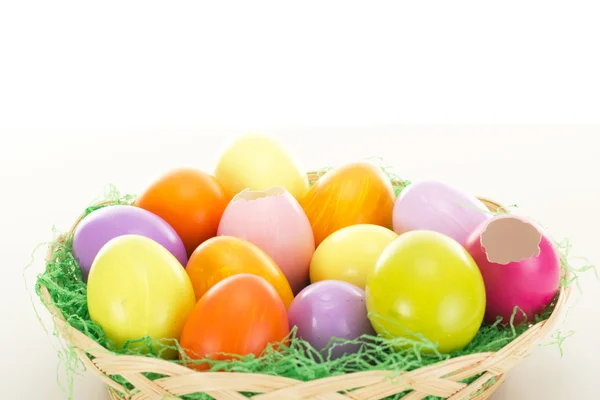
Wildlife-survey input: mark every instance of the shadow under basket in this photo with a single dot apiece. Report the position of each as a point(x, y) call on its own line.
point(442, 380)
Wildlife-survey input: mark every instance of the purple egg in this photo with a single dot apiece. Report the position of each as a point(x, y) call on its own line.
point(104, 224)
point(330, 309)
point(436, 206)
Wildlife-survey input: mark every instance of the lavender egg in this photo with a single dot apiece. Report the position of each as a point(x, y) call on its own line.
point(330, 309)
point(104, 224)
point(436, 206)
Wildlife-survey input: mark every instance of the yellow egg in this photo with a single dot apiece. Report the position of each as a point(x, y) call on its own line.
point(426, 285)
point(136, 289)
point(350, 254)
point(259, 162)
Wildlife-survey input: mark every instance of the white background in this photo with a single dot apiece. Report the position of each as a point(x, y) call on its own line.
point(117, 92)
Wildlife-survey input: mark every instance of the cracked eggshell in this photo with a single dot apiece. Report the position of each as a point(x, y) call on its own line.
point(519, 264)
point(436, 206)
point(273, 220)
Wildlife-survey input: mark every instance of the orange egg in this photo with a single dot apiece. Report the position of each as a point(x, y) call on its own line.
point(356, 193)
point(224, 256)
point(240, 315)
point(191, 201)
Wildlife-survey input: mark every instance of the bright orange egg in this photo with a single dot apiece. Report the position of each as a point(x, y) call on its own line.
point(224, 256)
point(356, 193)
point(240, 315)
point(191, 201)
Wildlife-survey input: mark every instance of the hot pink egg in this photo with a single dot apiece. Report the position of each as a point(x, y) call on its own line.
point(519, 264)
point(273, 220)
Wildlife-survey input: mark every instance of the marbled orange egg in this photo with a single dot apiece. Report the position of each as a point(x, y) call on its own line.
point(223, 256)
point(355, 193)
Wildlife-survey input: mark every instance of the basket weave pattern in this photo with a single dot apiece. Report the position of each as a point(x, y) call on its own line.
point(441, 379)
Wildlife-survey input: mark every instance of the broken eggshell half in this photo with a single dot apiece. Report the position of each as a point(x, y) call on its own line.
point(273, 220)
point(520, 267)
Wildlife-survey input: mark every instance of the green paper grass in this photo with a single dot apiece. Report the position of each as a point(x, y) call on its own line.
point(297, 360)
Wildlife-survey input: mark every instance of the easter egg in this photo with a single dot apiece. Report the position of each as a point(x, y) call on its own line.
point(106, 223)
point(350, 254)
point(259, 162)
point(137, 288)
point(191, 201)
point(436, 206)
point(224, 256)
point(425, 283)
point(520, 267)
point(329, 310)
point(240, 315)
point(273, 220)
point(357, 193)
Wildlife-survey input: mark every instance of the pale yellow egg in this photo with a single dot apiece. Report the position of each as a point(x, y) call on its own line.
point(259, 162)
point(350, 254)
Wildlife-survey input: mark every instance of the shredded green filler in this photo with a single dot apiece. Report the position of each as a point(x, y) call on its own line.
point(297, 360)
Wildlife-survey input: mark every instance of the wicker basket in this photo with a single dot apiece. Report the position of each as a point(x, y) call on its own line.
point(441, 379)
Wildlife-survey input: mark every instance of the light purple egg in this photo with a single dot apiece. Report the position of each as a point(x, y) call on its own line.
point(104, 224)
point(330, 309)
point(436, 206)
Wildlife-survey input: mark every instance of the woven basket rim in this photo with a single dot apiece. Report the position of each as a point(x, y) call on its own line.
point(441, 379)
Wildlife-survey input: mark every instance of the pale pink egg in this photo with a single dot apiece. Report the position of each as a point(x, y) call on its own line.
point(519, 264)
point(273, 220)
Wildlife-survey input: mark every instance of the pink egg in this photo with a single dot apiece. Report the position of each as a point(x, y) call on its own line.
point(273, 220)
point(519, 264)
point(436, 206)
